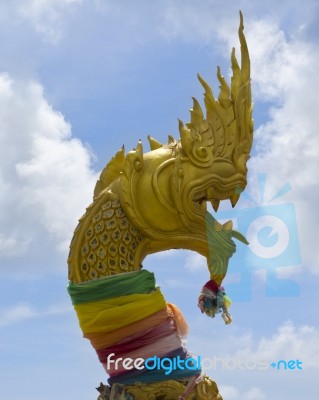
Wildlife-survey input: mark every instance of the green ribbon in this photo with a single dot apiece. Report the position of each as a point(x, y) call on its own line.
point(137, 282)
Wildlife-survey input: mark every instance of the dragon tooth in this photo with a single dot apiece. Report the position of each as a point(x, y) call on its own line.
point(215, 204)
point(234, 199)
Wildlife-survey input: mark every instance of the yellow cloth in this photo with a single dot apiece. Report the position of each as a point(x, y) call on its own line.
point(111, 314)
point(102, 340)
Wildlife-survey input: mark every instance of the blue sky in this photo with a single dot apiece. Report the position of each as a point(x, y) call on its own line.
point(79, 78)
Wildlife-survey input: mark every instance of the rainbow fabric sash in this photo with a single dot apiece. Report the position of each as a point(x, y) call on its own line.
point(127, 320)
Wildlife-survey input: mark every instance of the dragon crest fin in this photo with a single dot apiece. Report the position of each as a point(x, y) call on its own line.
point(229, 117)
point(110, 172)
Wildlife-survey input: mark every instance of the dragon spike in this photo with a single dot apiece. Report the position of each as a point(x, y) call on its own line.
point(208, 89)
point(228, 123)
point(234, 64)
point(224, 93)
point(228, 225)
point(196, 113)
point(245, 60)
point(139, 148)
point(138, 162)
point(234, 199)
point(180, 124)
point(235, 80)
point(186, 138)
point(184, 132)
point(112, 170)
point(171, 140)
point(215, 204)
point(154, 144)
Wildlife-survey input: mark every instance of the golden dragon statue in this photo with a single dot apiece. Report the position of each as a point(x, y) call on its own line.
point(150, 202)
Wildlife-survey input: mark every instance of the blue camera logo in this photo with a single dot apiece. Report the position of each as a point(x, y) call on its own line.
point(273, 236)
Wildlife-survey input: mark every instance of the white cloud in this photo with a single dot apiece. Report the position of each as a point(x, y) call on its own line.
point(289, 342)
point(288, 144)
point(51, 19)
point(253, 394)
point(12, 245)
point(196, 262)
point(228, 392)
point(244, 351)
point(232, 393)
point(105, 7)
point(16, 314)
point(276, 61)
point(47, 17)
point(21, 312)
point(46, 180)
point(188, 21)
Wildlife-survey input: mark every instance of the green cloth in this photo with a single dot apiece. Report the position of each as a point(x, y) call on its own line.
point(138, 282)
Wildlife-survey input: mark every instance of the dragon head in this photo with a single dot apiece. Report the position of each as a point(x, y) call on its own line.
point(218, 146)
point(165, 192)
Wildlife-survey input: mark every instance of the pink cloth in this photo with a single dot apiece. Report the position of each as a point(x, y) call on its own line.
point(141, 339)
point(158, 348)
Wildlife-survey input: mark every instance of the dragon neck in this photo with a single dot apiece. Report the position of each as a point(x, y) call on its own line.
point(105, 242)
